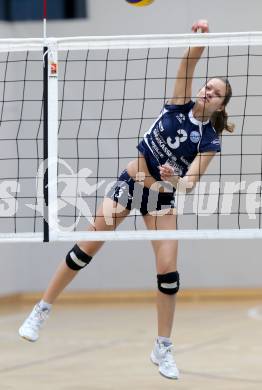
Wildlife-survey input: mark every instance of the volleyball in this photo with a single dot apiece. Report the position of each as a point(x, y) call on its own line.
point(140, 3)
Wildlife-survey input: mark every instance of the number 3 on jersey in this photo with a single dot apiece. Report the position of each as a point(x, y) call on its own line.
point(181, 137)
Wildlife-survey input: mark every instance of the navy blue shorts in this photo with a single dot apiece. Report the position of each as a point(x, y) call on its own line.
point(133, 195)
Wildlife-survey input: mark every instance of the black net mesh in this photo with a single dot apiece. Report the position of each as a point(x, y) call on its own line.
point(108, 99)
point(20, 141)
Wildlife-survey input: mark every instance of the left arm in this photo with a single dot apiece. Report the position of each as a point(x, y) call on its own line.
point(195, 171)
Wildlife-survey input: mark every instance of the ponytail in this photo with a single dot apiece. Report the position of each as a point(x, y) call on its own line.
point(219, 121)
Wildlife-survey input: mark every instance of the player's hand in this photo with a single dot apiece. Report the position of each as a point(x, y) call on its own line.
point(201, 26)
point(166, 172)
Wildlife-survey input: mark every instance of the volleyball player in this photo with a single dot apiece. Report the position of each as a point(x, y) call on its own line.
point(175, 151)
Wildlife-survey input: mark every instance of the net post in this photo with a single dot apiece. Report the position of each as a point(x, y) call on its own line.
point(50, 130)
point(45, 144)
point(52, 139)
point(45, 128)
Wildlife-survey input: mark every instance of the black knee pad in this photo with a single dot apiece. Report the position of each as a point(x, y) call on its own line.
point(168, 283)
point(76, 259)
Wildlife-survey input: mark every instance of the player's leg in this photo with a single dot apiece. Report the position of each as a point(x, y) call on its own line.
point(168, 285)
point(115, 207)
point(109, 215)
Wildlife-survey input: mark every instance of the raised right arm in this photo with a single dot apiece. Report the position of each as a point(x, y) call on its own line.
point(183, 85)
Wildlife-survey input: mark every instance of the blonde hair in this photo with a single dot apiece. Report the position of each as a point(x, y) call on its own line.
point(219, 119)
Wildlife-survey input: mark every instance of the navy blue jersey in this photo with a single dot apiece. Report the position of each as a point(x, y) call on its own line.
point(176, 137)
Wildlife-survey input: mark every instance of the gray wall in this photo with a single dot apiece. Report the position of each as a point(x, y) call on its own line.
point(130, 265)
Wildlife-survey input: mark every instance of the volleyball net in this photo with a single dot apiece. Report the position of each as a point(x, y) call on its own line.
point(103, 95)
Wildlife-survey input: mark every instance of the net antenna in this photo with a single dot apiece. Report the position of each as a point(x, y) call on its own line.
point(44, 18)
point(108, 92)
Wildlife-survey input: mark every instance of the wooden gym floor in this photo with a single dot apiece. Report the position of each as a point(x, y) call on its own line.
point(107, 347)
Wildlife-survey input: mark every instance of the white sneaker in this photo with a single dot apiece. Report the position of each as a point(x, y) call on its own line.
point(31, 326)
point(162, 356)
